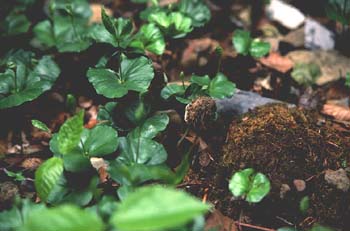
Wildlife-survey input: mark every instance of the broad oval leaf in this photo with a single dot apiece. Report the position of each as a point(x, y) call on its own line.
point(259, 49)
point(241, 41)
point(220, 87)
point(156, 208)
point(29, 81)
point(141, 151)
point(259, 189)
point(172, 89)
point(65, 217)
point(108, 22)
point(151, 127)
point(100, 140)
point(239, 183)
point(136, 74)
point(70, 132)
point(47, 176)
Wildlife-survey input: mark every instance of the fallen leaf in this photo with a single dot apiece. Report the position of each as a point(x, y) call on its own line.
point(277, 62)
point(198, 52)
point(96, 13)
point(338, 112)
point(219, 222)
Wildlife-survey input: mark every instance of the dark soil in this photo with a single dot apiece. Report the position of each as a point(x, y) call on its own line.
point(285, 144)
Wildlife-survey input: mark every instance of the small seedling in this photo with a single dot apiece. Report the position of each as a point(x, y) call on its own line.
point(40, 125)
point(304, 204)
point(219, 87)
point(245, 44)
point(17, 176)
point(25, 78)
point(250, 185)
point(347, 79)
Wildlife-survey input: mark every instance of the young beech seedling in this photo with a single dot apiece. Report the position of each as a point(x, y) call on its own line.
point(67, 28)
point(250, 185)
point(24, 78)
point(245, 44)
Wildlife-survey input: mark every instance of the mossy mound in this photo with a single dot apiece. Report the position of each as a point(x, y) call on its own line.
point(287, 144)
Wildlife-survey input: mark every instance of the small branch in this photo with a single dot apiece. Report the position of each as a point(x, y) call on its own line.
point(253, 226)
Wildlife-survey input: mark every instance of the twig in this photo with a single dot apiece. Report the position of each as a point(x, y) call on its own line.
point(253, 226)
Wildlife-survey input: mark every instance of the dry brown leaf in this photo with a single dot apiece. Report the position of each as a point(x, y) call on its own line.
point(220, 222)
point(277, 62)
point(96, 12)
point(338, 112)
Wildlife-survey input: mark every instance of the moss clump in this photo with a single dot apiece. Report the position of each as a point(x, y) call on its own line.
point(287, 144)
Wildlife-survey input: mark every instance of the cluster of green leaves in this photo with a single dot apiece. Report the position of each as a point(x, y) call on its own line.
point(66, 28)
point(339, 10)
point(148, 208)
point(73, 146)
point(15, 20)
point(24, 77)
point(245, 44)
point(250, 185)
point(219, 87)
point(179, 19)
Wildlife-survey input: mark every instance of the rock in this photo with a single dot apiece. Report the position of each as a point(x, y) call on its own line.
point(8, 191)
point(295, 37)
point(285, 14)
point(300, 185)
point(317, 36)
point(330, 62)
point(284, 190)
point(338, 178)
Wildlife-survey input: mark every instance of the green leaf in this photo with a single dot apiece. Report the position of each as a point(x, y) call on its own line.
point(15, 23)
point(68, 28)
point(318, 227)
point(136, 174)
point(44, 34)
point(136, 74)
point(175, 24)
point(259, 49)
point(40, 125)
point(259, 189)
point(241, 41)
point(18, 176)
point(13, 219)
point(47, 176)
point(220, 87)
point(151, 127)
point(65, 217)
point(141, 151)
point(105, 114)
point(29, 81)
point(171, 90)
point(150, 38)
point(287, 229)
point(239, 183)
point(338, 10)
point(99, 141)
point(108, 23)
point(197, 10)
point(70, 132)
point(304, 204)
point(246, 183)
point(347, 80)
point(164, 208)
point(201, 80)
